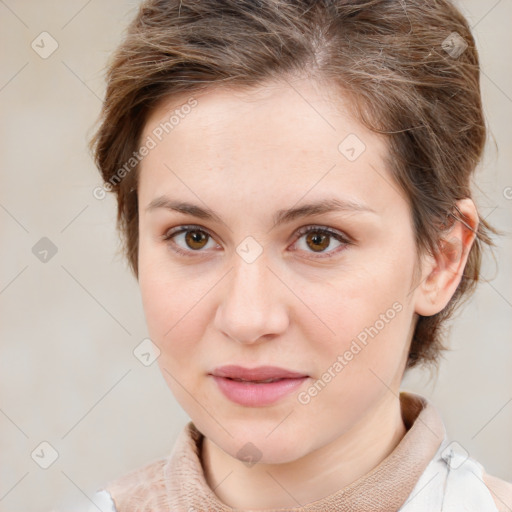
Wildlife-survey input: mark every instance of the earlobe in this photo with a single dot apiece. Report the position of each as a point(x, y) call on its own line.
point(443, 272)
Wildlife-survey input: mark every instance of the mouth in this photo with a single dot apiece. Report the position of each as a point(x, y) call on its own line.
point(266, 381)
point(257, 387)
point(258, 374)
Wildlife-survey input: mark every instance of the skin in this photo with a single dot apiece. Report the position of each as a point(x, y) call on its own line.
point(246, 154)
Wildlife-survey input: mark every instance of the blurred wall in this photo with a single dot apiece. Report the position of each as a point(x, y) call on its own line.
point(71, 315)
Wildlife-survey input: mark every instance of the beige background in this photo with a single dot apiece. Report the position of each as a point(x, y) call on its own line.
point(68, 326)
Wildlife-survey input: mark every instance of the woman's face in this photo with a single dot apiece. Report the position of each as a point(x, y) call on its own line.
point(246, 290)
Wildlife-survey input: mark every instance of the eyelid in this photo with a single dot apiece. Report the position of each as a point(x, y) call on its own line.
point(184, 228)
point(325, 229)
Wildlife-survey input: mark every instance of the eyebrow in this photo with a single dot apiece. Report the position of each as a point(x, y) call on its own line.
point(280, 217)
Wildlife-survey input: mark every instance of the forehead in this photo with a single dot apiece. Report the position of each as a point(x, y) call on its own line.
point(294, 136)
point(302, 113)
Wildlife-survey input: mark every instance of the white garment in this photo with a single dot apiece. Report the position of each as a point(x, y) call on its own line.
point(452, 482)
point(103, 501)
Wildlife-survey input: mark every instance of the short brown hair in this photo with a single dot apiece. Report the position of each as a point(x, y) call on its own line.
point(410, 65)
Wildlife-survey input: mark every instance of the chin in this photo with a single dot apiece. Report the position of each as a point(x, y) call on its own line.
point(263, 440)
point(258, 448)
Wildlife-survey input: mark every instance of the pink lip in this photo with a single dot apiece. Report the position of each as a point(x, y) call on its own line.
point(259, 373)
point(252, 393)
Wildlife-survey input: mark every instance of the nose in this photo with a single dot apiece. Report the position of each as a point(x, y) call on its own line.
point(253, 306)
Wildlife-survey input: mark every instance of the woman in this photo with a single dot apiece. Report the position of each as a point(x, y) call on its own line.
point(293, 187)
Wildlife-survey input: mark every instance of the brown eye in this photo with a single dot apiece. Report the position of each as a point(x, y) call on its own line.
point(196, 239)
point(188, 240)
point(319, 239)
point(318, 242)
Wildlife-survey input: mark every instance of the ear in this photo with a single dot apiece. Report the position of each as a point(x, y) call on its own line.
point(441, 273)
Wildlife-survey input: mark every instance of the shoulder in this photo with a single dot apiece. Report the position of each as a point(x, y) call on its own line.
point(151, 486)
point(501, 492)
point(150, 470)
point(141, 487)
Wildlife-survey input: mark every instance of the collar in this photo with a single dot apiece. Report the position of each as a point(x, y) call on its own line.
point(385, 487)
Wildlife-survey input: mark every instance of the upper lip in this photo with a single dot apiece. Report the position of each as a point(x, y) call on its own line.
point(258, 373)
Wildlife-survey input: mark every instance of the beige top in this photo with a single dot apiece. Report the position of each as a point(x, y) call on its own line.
point(177, 483)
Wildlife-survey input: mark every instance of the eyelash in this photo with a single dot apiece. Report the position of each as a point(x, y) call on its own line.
point(303, 231)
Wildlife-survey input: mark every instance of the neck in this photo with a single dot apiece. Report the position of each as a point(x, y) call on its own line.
point(326, 470)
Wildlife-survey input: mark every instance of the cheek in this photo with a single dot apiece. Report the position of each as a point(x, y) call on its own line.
point(359, 300)
point(158, 301)
point(173, 318)
point(363, 361)
point(174, 304)
point(167, 307)
point(369, 312)
point(164, 293)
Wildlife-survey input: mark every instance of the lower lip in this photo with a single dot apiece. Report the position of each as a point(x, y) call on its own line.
point(254, 395)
